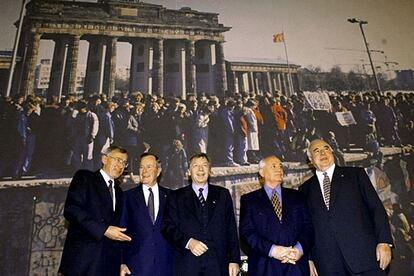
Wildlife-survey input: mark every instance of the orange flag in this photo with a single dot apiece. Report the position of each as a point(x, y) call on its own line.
point(278, 38)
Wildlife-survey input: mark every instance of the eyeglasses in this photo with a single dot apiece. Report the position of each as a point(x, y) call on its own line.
point(121, 162)
point(319, 151)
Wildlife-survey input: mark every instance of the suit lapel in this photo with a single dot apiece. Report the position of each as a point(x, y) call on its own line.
point(336, 185)
point(267, 206)
point(163, 201)
point(103, 193)
point(285, 206)
point(316, 192)
point(190, 201)
point(140, 201)
point(118, 197)
point(212, 200)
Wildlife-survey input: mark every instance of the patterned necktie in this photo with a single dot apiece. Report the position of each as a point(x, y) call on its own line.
point(110, 189)
point(111, 192)
point(201, 197)
point(276, 205)
point(326, 189)
point(151, 209)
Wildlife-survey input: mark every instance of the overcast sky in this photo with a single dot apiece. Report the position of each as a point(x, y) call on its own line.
point(311, 27)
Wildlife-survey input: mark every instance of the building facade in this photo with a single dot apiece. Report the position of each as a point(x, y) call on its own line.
point(164, 46)
point(173, 52)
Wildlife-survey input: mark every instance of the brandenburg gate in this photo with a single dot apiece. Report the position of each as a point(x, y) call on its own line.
point(181, 50)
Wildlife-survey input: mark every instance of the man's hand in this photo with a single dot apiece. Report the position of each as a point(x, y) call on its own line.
point(293, 256)
point(233, 269)
point(312, 268)
point(197, 247)
point(383, 255)
point(124, 270)
point(115, 233)
point(281, 253)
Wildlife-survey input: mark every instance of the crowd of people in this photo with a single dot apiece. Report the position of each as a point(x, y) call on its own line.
point(54, 138)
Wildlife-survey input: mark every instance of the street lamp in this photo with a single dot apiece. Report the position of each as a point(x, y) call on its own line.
point(360, 23)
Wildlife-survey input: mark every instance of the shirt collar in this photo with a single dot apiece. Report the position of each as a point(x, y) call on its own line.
point(106, 177)
point(269, 190)
point(197, 187)
point(153, 188)
point(330, 172)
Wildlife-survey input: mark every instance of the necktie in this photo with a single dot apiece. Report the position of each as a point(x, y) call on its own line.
point(151, 209)
point(326, 189)
point(276, 205)
point(110, 189)
point(201, 197)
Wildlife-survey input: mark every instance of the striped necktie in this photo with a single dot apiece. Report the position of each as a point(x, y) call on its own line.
point(276, 205)
point(201, 197)
point(326, 189)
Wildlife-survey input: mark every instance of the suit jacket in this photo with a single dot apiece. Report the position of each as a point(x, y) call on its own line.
point(356, 221)
point(260, 228)
point(148, 253)
point(182, 222)
point(89, 211)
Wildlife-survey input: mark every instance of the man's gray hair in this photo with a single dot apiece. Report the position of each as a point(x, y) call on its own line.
point(111, 149)
point(262, 163)
point(157, 159)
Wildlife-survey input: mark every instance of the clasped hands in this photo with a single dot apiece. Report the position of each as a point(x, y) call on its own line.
point(286, 254)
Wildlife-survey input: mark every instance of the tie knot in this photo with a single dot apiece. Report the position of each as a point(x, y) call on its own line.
point(110, 183)
point(325, 174)
point(150, 190)
point(201, 190)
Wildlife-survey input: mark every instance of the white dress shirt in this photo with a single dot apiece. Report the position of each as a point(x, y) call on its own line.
point(156, 192)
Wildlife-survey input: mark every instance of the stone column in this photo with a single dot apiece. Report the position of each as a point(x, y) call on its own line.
point(94, 67)
point(269, 82)
point(279, 82)
point(57, 70)
point(221, 75)
point(236, 87)
point(69, 84)
point(18, 73)
point(159, 67)
point(242, 87)
point(110, 67)
point(256, 83)
point(275, 84)
point(191, 68)
point(285, 83)
point(251, 82)
point(183, 71)
point(30, 64)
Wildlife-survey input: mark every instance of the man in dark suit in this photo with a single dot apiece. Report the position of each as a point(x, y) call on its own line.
point(149, 254)
point(92, 209)
point(352, 233)
point(275, 225)
point(199, 222)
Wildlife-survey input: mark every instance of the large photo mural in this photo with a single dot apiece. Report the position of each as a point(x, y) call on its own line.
point(237, 80)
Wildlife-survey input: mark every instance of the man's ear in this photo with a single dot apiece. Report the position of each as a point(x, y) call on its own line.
point(104, 158)
point(188, 172)
point(261, 172)
point(159, 171)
